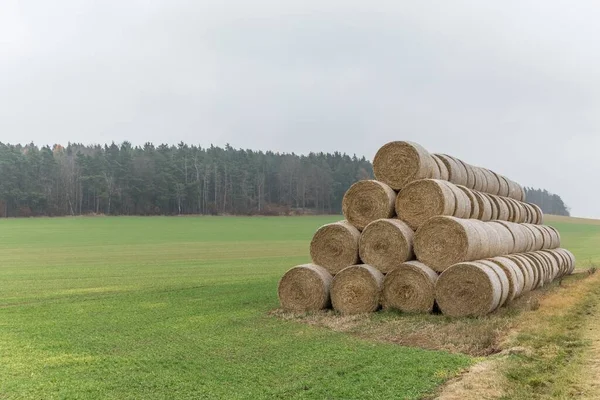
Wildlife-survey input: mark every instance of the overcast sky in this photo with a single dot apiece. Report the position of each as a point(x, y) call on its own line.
point(513, 85)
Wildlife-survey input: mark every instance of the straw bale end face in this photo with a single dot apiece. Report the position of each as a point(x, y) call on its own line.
point(443, 241)
point(357, 289)
point(335, 246)
point(367, 201)
point(468, 289)
point(410, 288)
point(386, 243)
point(305, 288)
point(423, 199)
point(399, 163)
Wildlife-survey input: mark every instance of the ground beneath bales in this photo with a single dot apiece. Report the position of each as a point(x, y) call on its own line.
point(551, 353)
point(545, 344)
point(472, 336)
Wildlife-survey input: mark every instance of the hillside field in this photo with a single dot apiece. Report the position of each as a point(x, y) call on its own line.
point(178, 307)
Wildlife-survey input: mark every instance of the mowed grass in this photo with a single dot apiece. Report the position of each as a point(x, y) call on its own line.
point(178, 308)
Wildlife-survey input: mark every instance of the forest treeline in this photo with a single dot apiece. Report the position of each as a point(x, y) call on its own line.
point(549, 203)
point(169, 180)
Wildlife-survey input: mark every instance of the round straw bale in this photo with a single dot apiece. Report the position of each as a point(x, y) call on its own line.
point(463, 168)
point(550, 267)
point(502, 239)
point(537, 268)
point(557, 262)
point(506, 241)
point(529, 212)
point(335, 246)
point(468, 289)
point(495, 210)
point(550, 239)
point(456, 171)
point(399, 163)
point(504, 188)
point(487, 244)
point(410, 288)
point(572, 260)
point(529, 238)
point(526, 271)
point(501, 206)
point(480, 179)
point(555, 236)
point(506, 211)
point(519, 241)
point(443, 241)
point(529, 268)
point(357, 289)
point(546, 238)
point(523, 212)
point(509, 211)
point(476, 178)
point(510, 207)
point(534, 215)
point(569, 258)
point(436, 173)
point(568, 254)
point(470, 174)
point(462, 201)
point(568, 268)
point(517, 210)
point(444, 174)
point(564, 261)
point(537, 237)
point(514, 190)
point(519, 192)
point(367, 201)
point(539, 215)
point(485, 206)
point(474, 201)
point(546, 266)
point(423, 199)
point(492, 180)
point(520, 214)
point(503, 280)
point(569, 264)
point(386, 243)
point(305, 288)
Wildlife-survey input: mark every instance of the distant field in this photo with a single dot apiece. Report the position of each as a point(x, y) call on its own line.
point(581, 236)
point(175, 308)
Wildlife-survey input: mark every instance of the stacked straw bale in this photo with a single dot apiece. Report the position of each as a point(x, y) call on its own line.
point(399, 163)
point(431, 229)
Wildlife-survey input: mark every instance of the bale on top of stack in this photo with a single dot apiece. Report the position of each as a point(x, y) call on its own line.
point(399, 163)
point(469, 221)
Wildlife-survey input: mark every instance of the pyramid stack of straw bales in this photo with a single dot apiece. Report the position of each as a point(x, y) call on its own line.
point(430, 230)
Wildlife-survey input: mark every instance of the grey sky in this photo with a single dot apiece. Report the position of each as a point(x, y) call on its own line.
point(512, 85)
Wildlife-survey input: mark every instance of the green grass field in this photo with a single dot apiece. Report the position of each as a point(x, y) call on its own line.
point(163, 308)
point(176, 308)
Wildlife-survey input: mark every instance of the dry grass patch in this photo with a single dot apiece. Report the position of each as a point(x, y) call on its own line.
point(481, 336)
point(555, 342)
